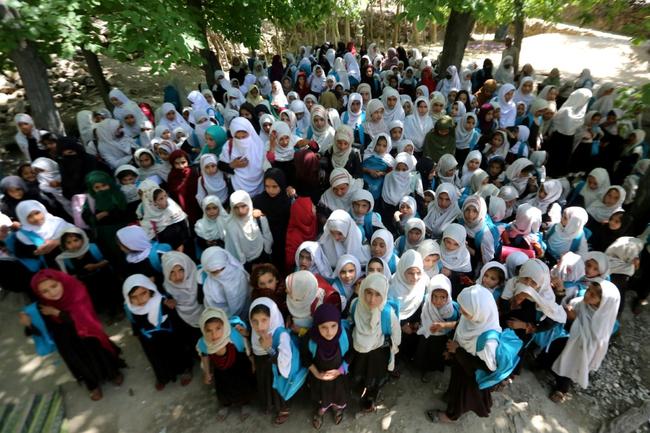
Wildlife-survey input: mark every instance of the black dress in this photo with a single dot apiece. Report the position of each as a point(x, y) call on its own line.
point(233, 377)
point(409, 344)
point(463, 392)
point(269, 398)
point(370, 371)
point(429, 352)
point(164, 348)
point(88, 361)
point(325, 393)
point(103, 286)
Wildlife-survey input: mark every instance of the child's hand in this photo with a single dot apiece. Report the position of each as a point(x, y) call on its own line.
point(101, 215)
point(266, 341)
point(435, 327)
point(239, 162)
point(466, 281)
point(446, 272)
point(505, 237)
point(24, 319)
point(49, 310)
point(329, 375)
point(170, 303)
point(243, 331)
point(47, 247)
point(257, 213)
point(570, 312)
point(291, 192)
point(452, 346)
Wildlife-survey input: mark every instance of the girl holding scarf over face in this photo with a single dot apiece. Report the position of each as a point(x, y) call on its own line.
point(455, 257)
point(211, 229)
point(443, 210)
point(418, 124)
point(342, 236)
point(225, 282)
point(71, 322)
point(155, 323)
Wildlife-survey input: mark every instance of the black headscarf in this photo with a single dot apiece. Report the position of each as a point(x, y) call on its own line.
point(74, 168)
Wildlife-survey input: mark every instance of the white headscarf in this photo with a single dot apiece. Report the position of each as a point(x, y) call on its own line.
point(458, 260)
point(503, 75)
point(621, 254)
point(553, 190)
point(600, 211)
point(128, 106)
point(21, 139)
point(519, 95)
point(604, 103)
point(342, 222)
point(153, 219)
point(283, 154)
point(278, 98)
point(416, 127)
point(429, 247)
point(438, 219)
point(445, 163)
point(397, 184)
point(338, 177)
point(244, 231)
point(325, 136)
point(215, 313)
point(159, 170)
point(319, 263)
point(115, 151)
point(185, 292)
point(212, 229)
point(348, 289)
point(354, 118)
point(152, 308)
point(61, 258)
point(211, 184)
point(463, 136)
point(571, 115)
point(249, 178)
point(388, 239)
point(430, 313)
point(410, 297)
point(563, 236)
point(602, 180)
point(371, 128)
point(446, 84)
point(352, 66)
point(395, 113)
point(135, 239)
point(508, 108)
point(543, 296)
point(49, 172)
point(602, 260)
point(479, 305)
point(367, 334)
point(414, 223)
point(178, 121)
point(340, 157)
point(276, 321)
point(589, 336)
point(51, 228)
point(527, 220)
point(229, 290)
point(302, 291)
point(514, 170)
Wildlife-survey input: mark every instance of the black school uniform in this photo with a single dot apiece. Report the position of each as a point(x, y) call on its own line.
point(463, 392)
point(325, 393)
point(233, 377)
point(102, 284)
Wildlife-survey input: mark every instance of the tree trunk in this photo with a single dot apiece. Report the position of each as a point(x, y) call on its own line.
point(396, 27)
point(434, 33)
point(96, 71)
point(210, 63)
point(416, 33)
point(370, 35)
point(457, 33)
point(519, 30)
point(346, 30)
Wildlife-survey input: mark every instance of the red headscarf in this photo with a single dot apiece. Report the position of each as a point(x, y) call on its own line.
point(304, 89)
point(351, 48)
point(182, 185)
point(427, 79)
point(302, 227)
point(76, 302)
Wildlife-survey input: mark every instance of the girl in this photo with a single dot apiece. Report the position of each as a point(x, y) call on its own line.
point(265, 282)
point(215, 138)
point(470, 166)
point(568, 234)
point(376, 336)
point(377, 162)
point(155, 323)
point(113, 146)
point(211, 181)
point(127, 179)
point(414, 234)
point(524, 232)
point(379, 266)
point(590, 190)
point(37, 240)
point(493, 277)
point(225, 282)
point(382, 246)
point(276, 359)
point(248, 239)
point(520, 149)
point(438, 319)
point(566, 277)
point(225, 362)
point(600, 211)
point(547, 200)
point(304, 294)
point(403, 181)
point(74, 327)
point(321, 131)
point(339, 195)
point(583, 352)
point(49, 182)
point(85, 262)
point(346, 275)
point(441, 139)
point(483, 237)
point(618, 225)
point(363, 214)
point(430, 252)
point(342, 236)
point(407, 209)
point(142, 255)
point(162, 218)
point(148, 167)
point(282, 150)
point(302, 227)
point(343, 154)
point(407, 287)
point(418, 124)
point(180, 274)
point(211, 229)
point(447, 170)
point(14, 190)
point(245, 159)
point(443, 210)
point(310, 257)
point(586, 142)
point(497, 146)
point(325, 356)
point(182, 184)
point(624, 261)
point(455, 257)
point(374, 124)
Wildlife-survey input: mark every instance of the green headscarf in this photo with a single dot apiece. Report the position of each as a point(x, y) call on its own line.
point(436, 145)
point(219, 136)
point(105, 200)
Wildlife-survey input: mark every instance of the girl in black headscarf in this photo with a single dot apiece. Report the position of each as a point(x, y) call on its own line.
point(74, 165)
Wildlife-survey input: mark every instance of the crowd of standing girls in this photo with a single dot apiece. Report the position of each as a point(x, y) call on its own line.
point(331, 221)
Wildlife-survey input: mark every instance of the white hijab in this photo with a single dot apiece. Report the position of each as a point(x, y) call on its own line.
point(153, 219)
point(276, 321)
point(185, 292)
point(348, 289)
point(621, 254)
point(302, 291)
point(467, 174)
point(324, 136)
point(367, 334)
point(430, 313)
point(571, 115)
point(229, 290)
point(249, 178)
point(245, 231)
point(389, 241)
point(342, 222)
point(463, 136)
point(508, 108)
point(438, 219)
point(283, 154)
point(563, 236)
point(410, 297)
point(602, 180)
point(340, 176)
point(135, 239)
point(397, 184)
point(458, 260)
point(600, 211)
point(51, 228)
point(319, 263)
point(152, 308)
point(395, 113)
point(429, 247)
point(416, 127)
point(212, 229)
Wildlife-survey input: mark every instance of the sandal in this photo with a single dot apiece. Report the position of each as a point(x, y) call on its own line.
point(96, 394)
point(282, 417)
point(338, 416)
point(186, 379)
point(437, 416)
point(558, 397)
point(317, 421)
point(223, 413)
point(245, 412)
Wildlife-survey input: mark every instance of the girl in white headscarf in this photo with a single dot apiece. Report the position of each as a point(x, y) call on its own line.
point(303, 297)
point(568, 234)
point(414, 235)
point(152, 317)
point(225, 281)
point(49, 181)
point(525, 91)
point(601, 210)
point(519, 173)
point(248, 238)
point(345, 276)
point(481, 233)
point(392, 107)
point(624, 261)
point(505, 73)
point(278, 98)
point(402, 181)
point(471, 164)
point(342, 186)
point(342, 236)
point(505, 98)
point(373, 352)
point(584, 351)
point(26, 132)
point(211, 228)
point(546, 200)
point(352, 67)
point(160, 216)
point(451, 81)
point(124, 105)
point(439, 317)
point(310, 257)
point(374, 123)
point(246, 157)
point(454, 255)
point(180, 274)
point(447, 170)
point(114, 147)
point(321, 131)
point(467, 135)
point(148, 167)
point(443, 210)
point(172, 119)
point(592, 189)
point(355, 115)
point(211, 181)
point(430, 252)
point(418, 124)
point(382, 245)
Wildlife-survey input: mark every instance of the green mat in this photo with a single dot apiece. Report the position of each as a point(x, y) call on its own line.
point(44, 413)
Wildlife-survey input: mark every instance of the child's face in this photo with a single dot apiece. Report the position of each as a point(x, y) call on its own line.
point(328, 330)
point(409, 149)
point(443, 200)
point(271, 187)
point(612, 197)
point(439, 298)
point(161, 200)
point(591, 269)
point(36, 218)
point(615, 222)
point(341, 190)
point(128, 179)
point(212, 211)
point(381, 146)
point(267, 281)
point(267, 127)
point(304, 260)
point(361, 207)
point(442, 132)
point(592, 182)
point(50, 145)
point(497, 113)
point(395, 133)
point(72, 243)
point(490, 279)
point(470, 213)
point(241, 210)
point(100, 186)
point(26, 128)
point(401, 167)
point(414, 236)
point(319, 122)
point(210, 169)
point(508, 96)
point(564, 220)
point(529, 282)
point(372, 298)
point(412, 275)
point(454, 110)
point(428, 198)
point(595, 119)
point(450, 244)
point(378, 247)
point(375, 267)
point(430, 261)
point(377, 115)
point(422, 108)
point(348, 274)
point(27, 173)
point(473, 164)
point(521, 109)
point(145, 160)
point(50, 290)
point(213, 331)
point(593, 295)
point(489, 116)
point(337, 235)
point(16, 193)
point(541, 193)
point(469, 123)
point(139, 296)
point(391, 101)
point(342, 145)
point(260, 323)
point(494, 169)
point(163, 154)
point(129, 119)
point(177, 274)
point(405, 210)
point(450, 172)
point(497, 141)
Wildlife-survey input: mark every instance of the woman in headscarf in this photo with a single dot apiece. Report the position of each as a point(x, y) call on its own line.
point(480, 76)
point(114, 147)
point(441, 139)
point(248, 239)
point(450, 81)
point(565, 124)
point(225, 282)
point(246, 157)
point(211, 228)
point(524, 92)
point(211, 181)
point(568, 234)
point(343, 154)
point(392, 108)
point(28, 138)
point(505, 74)
point(321, 131)
point(342, 236)
point(124, 105)
point(443, 210)
point(182, 184)
point(69, 319)
point(181, 283)
point(427, 79)
point(507, 106)
point(418, 124)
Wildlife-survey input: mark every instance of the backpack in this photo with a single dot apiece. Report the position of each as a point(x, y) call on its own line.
point(235, 337)
point(43, 342)
point(287, 387)
point(386, 324)
point(344, 346)
point(33, 265)
point(154, 255)
point(507, 356)
point(495, 235)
